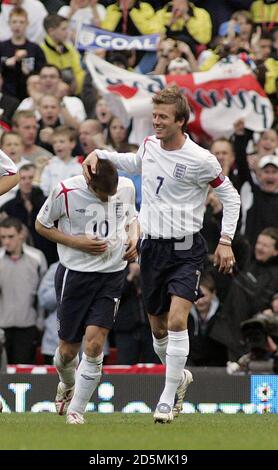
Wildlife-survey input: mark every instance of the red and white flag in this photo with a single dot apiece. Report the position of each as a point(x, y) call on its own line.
point(227, 92)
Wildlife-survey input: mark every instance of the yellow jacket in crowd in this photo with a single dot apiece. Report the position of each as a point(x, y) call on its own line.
point(142, 15)
point(199, 25)
point(271, 75)
point(262, 12)
point(67, 60)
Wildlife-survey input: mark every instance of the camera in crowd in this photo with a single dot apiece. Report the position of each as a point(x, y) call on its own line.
point(256, 330)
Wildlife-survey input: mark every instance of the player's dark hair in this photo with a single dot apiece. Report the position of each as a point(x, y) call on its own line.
point(10, 222)
point(106, 177)
point(173, 95)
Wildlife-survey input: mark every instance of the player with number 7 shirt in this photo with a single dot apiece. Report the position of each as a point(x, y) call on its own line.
point(176, 176)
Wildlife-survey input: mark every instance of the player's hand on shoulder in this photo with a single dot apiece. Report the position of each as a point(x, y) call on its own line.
point(89, 166)
point(93, 246)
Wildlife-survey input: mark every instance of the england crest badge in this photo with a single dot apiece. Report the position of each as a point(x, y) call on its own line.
point(179, 171)
point(119, 210)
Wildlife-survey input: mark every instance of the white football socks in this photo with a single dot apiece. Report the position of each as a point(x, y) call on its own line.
point(160, 346)
point(66, 372)
point(176, 356)
point(87, 379)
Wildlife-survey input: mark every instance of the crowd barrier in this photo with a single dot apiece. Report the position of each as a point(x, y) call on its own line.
point(131, 389)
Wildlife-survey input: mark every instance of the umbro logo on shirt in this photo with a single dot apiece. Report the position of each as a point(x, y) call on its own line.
point(179, 171)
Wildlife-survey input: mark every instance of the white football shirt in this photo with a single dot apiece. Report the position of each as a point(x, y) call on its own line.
point(7, 166)
point(79, 212)
point(175, 185)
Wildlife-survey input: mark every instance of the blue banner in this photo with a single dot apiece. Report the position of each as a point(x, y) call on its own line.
point(90, 38)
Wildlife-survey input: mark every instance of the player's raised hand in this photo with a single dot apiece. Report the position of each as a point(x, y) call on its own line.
point(131, 251)
point(89, 166)
point(93, 246)
point(224, 258)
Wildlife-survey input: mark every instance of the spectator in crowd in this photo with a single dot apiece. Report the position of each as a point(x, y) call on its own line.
point(58, 52)
point(264, 13)
point(204, 351)
point(89, 95)
point(36, 12)
point(227, 44)
point(82, 12)
point(25, 124)
point(223, 149)
point(49, 107)
point(91, 135)
point(8, 104)
point(25, 206)
point(266, 56)
point(117, 136)
point(103, 113)
point(243, 19)
point(11, 144)
point(251, 292)
point(47, 301)
point(19, 57)
point(131, 17)
point(259, 188)
point(222, 11)
point(168, 51)
point(22, 267)
point(178, 66)
point(260, 335)
point(132, 332)
point(72, 110)
point(117, 139)
point(183, 21)
point(63, 165)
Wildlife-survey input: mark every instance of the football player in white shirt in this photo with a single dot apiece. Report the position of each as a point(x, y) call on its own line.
point(9, 176)
point(93, 248)
point(176, 176)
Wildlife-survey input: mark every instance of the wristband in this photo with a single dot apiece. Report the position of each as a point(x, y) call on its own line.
point(224, 241)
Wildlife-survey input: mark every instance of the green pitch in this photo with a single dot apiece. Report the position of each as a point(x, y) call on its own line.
point(137, 432)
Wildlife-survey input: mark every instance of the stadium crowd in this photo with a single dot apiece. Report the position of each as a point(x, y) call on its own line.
point(52, 116)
